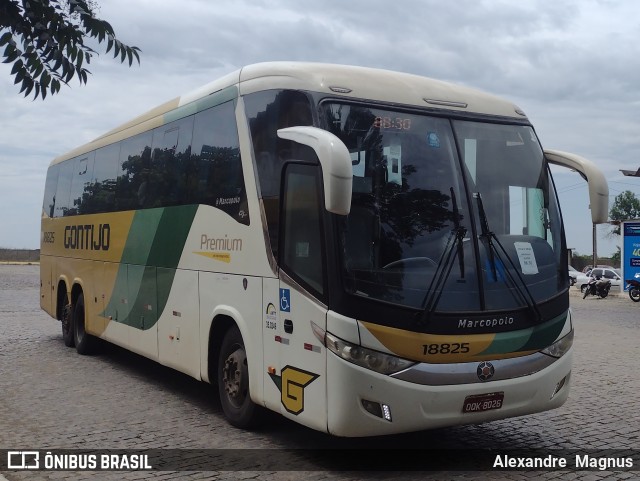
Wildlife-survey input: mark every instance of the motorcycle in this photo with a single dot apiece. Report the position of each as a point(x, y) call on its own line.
point(634, 288)
point(597, 287)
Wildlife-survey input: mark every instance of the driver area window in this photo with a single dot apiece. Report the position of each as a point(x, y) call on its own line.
point(302, 254)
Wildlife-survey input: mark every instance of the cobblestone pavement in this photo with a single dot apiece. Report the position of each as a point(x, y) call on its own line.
point(50, 397)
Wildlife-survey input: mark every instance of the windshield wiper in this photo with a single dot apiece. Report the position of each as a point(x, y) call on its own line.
point(488, 236)
point(445, 263)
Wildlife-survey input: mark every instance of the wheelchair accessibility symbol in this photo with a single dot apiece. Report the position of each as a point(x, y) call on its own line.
point(285, 300)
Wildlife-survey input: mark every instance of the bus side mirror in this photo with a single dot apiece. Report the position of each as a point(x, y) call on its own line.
point(598, 187)
point(335, 162)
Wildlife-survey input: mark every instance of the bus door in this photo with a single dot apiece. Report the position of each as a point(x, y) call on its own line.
point(302, 286)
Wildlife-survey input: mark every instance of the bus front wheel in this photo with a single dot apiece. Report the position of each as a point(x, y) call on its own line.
point(233, 382)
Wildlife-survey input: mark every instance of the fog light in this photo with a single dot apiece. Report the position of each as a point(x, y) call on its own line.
point(386, 412)
point(559, 386)
point(379, 410)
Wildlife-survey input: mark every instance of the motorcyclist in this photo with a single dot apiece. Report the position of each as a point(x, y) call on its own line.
point(598, 286)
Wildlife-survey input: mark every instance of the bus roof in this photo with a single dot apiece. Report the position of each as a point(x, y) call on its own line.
point(335, 80)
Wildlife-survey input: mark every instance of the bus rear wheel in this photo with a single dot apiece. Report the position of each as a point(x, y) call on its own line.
point(233, 382)
point(66, 319)
point(84, 342)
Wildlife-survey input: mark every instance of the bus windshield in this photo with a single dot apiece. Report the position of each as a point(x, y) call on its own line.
point(447, 215)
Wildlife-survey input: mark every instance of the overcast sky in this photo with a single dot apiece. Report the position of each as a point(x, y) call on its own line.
point(572, 66)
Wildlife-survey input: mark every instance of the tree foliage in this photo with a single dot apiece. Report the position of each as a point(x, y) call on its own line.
point(45, 42)
point(626, 206)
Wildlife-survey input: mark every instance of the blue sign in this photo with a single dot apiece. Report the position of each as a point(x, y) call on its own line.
point(285, 300)
point(630, 250)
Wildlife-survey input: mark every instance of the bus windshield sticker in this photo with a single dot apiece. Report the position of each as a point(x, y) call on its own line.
point(527, 257)
point(433, 140)
point(357, 160)
point(393, 156)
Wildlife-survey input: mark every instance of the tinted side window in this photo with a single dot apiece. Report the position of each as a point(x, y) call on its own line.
point(80, 183)
point(102, 190)
point(267, 112)
point(50, 186)
point(64, 188)
point(171, 160)
point(215, 176)
point(134, 185)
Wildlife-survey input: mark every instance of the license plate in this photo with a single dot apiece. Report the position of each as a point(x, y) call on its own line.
point(483, 402)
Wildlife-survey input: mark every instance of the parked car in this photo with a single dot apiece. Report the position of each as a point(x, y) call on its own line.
point(587, 269)
point(614, 275)
point(573, 275)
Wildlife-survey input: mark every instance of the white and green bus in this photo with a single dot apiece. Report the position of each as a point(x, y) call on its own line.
point(366, 252)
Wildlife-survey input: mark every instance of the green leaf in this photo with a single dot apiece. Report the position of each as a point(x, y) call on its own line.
point(5, 38)
point(45, 79)
point(19, 76)
point(58, 63)
point(25, 84)
point(29, 89)
point(16, 66)
point(38, 70)
point(70, 74)
point(11, 57)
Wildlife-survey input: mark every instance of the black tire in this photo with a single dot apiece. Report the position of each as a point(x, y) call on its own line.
point(634, 294)
point(66, 320)
point(233, 382)
point(84, 342)
point(584, 288)
point(604, 293)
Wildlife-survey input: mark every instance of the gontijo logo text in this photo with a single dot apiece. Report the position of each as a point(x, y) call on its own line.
point(88, 237)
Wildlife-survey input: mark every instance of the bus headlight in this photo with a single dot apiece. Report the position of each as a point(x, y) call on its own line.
point(560, 347)
point(367, 358)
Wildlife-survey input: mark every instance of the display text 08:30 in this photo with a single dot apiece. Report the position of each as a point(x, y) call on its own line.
point(397, 123)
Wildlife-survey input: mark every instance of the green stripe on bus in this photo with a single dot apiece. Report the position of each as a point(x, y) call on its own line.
point(148, 265)
point(171, 234)
point(142, 232)
point(531, 339)
point(546, 334)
